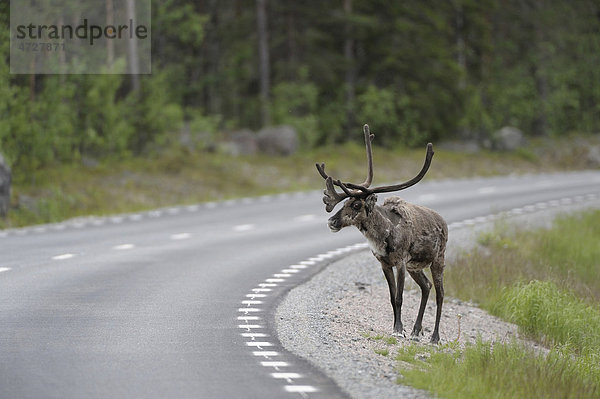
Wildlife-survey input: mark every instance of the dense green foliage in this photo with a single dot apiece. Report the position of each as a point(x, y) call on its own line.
point(414, 70)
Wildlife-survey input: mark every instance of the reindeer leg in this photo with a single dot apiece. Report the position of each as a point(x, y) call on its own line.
point(437, 272)
point(425, 285)
point(401, 269)
point(389, 276)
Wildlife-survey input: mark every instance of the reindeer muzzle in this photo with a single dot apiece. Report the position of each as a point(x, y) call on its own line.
point(334, 223)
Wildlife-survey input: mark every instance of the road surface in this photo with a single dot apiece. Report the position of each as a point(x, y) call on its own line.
point(177, 302)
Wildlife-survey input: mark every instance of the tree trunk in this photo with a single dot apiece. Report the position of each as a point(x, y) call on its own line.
point(263, 55)
point(132, 48)
point(292, 46)
point(350, 78)
point(461, 58)
point(110, 45)
point(213, 50)
point(541, 60)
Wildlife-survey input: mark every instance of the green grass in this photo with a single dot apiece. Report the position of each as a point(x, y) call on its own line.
point(389, 341)
point(177, 176)
point(552, 316)
point(568, 255)
point(383, 338)
point(546, 282)
point(382, 352)
point(506, 370)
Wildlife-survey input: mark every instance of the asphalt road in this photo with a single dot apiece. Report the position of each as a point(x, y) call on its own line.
point(177, 303)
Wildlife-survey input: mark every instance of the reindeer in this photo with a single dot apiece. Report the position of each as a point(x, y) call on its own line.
point(405, 236)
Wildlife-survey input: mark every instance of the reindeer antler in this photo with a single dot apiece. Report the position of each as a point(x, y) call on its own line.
point(331, 197)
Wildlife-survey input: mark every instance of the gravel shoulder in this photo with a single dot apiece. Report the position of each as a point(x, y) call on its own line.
point(332, 320)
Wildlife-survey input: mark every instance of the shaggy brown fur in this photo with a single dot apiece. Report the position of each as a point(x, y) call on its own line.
point(404, 236)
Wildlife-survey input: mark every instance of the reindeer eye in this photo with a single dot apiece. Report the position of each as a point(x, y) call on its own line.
point(357, 206)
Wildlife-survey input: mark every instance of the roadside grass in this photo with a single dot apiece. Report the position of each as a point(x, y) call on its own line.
point(546, 282)
point(504, 370)
point(383, 338)
point(382, 352)
point(179, 176)
point(567, 254)
point(553, 317)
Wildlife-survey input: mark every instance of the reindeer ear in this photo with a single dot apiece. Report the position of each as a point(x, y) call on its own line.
point(370, 202)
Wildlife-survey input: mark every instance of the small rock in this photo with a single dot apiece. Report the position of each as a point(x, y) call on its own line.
point(280, 140)
point(242, 142)
point(507, 139)
point(593, 156)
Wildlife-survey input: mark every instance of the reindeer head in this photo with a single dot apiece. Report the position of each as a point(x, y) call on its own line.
point(362, 198)
point(354, 212)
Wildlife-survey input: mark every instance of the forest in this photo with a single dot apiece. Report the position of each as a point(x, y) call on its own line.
point(414, 70)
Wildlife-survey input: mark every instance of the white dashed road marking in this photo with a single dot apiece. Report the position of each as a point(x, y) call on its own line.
point(123, 247)
point(254, 335)
point(276, 365)
point(5, 269)
point(63, 256)
point(305, 218)
point(300, 388)
point(290, 271)
point(180, 236)
point(248, 318)
point(248, 310)
point(286, 376)
point(251, 302)
point(250, 329)
point(265, 354)
point(486, 190)
point(259, 344)
point(244, 227)
point(250, 326)
point(262, 289)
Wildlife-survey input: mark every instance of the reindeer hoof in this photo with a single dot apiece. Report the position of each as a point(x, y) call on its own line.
point(435, 339)
point(399, 334)
point(416, 332)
